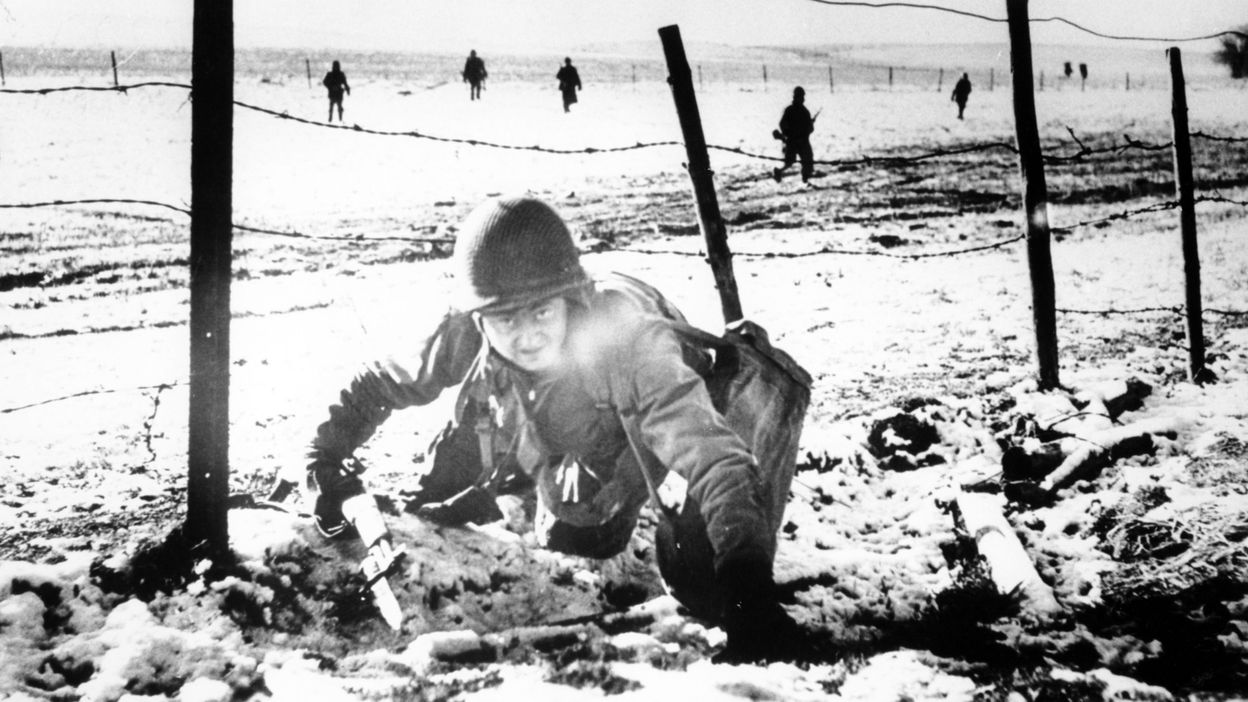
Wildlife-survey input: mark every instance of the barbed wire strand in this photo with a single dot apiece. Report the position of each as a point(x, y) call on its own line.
point(829, 251)
point(1109, 311)
point(1222, 200)
point(1147, 310)
point(88, 393)
point(95, 88)
point(150, 421)
point(1126, 214)
point(872, 160)
point(94, 201)
point(1083, 152)
point(1148, 209)
point(357, 237)
point(1211, 137)
point(455, 140)
point(352, 128)
point(434, 241)
point(240, 227)
point(590, 150)
point(1033, 20)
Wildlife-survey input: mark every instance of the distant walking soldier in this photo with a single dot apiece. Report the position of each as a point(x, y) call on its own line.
point(474, 74)
point(796, 125)
point(961, 92)
point(569, 83)
point(336, 82)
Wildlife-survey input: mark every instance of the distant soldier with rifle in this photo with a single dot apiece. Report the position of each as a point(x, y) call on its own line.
point(335, 82)
point(474, 74)
point(796, 126)
point(962, 92)
point(569, 83)
point(593, 396)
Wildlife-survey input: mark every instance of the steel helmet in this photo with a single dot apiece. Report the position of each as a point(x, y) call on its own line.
point(512, 252)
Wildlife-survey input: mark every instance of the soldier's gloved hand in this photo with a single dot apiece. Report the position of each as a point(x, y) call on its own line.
point(334, 483)
point(475, 504)
point(758, 628)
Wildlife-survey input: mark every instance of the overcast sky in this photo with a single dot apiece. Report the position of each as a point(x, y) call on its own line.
point(555, 25)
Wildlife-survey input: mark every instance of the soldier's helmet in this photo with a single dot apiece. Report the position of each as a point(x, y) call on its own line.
point(512, 252)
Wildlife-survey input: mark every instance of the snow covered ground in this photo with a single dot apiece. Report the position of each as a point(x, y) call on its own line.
point(872, 556)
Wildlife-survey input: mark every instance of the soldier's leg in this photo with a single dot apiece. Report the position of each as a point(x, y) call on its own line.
point(687, 561)
point(808, 161)
point(790, 157)
point(683, 549)
point(766, 408)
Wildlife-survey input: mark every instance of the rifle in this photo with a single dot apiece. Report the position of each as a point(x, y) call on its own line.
point(382, 558)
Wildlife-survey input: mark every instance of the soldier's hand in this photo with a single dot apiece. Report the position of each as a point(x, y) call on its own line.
point(334, 482)
point(764, 634)
point(758, 628)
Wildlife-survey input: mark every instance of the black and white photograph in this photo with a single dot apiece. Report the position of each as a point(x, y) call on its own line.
point(566, 350)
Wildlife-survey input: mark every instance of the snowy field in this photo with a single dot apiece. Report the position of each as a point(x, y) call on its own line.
point(93, 364)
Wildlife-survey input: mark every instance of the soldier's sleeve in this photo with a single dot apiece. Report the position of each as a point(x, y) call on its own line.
point(680, 427)
point(384, 386)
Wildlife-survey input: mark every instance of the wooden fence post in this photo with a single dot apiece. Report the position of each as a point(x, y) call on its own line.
point(713, 230)
point(2, 82)
point(700, 75)
point(634, 76)
point(1128, 81)
point(992, 79)
point(764, 69)
point(113, 56)
point(890, 77)
point(212, 145)
point(940, 82)
point(1187, 218)
point(831, 80)
point(308, 63)
point(1035, 196)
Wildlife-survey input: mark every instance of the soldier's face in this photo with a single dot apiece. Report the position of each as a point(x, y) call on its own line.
point(532, 336)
